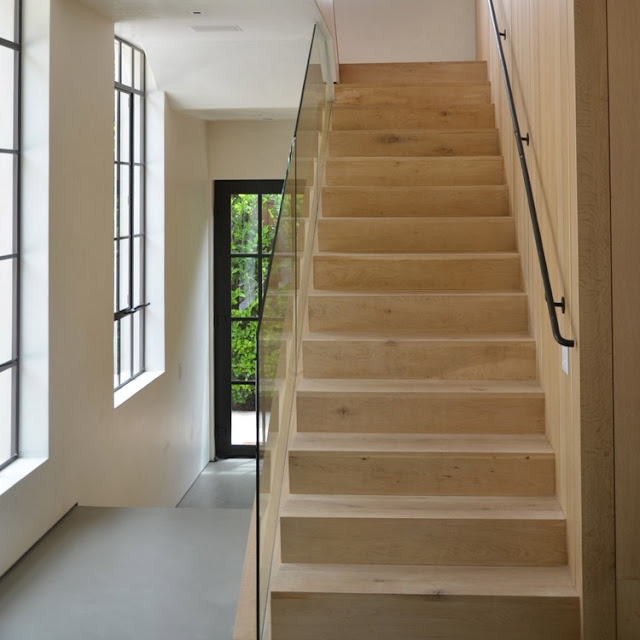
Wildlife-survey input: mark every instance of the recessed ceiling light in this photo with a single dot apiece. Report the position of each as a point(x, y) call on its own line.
point(215, 28)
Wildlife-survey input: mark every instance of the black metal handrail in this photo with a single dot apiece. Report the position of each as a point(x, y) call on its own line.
point(552, 305)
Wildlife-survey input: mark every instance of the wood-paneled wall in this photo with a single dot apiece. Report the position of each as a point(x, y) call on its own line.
point(556, 54)
point(624, 99)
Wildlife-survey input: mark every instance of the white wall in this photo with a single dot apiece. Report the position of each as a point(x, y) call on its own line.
point(148, 450)
point(405, 30)
point(248, 149)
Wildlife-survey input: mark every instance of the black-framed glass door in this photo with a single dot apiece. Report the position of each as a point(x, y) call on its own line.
point(245, 218)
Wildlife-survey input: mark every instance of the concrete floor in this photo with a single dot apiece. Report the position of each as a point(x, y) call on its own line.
point(137, 574)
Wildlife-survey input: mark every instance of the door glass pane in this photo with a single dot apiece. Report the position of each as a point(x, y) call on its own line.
point(7, 95)
point(6, 203)
point(270, 209)
point(243, 350)
point(243, 417)
point(265, 273)
point(244, 223)
point(244, 287)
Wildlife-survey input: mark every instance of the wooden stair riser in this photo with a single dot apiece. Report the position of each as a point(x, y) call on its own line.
point(397, 412)
point(419, 314)
point(304, 616)
point(481, 116)
point(413, 143)
point(407, 359)
point(459, 474)
point(417, 96)
point(413, 73)
point(411, 235)
point(427, 541)
point(339, 272)
point(463, 171)
point(486, 200)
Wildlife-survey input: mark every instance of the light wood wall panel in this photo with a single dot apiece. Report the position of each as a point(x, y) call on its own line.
point(624, 98)
point(556, 54)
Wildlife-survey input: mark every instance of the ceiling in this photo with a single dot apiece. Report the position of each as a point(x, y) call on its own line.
point(255, 72)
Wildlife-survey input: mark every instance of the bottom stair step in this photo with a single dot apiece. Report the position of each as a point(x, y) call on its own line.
point(337, 602)
point(426, 530)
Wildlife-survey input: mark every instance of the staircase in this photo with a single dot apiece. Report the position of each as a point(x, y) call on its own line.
point(421, 498)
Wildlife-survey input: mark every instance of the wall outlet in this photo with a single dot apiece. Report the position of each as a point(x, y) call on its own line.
point(565, 359)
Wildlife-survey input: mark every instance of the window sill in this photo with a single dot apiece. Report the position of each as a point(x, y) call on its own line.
point(131, 388)
point(18, 471)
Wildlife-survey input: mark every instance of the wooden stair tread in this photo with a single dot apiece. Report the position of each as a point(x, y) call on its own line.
point(422, 444)
point(310, 386)
point(545, 582)
point(423, 507)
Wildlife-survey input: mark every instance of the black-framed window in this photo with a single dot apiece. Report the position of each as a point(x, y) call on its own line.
point(129, 214)
point(10, 113)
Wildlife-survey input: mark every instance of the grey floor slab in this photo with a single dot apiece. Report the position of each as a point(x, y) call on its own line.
point(133, 574)
point(227, 484)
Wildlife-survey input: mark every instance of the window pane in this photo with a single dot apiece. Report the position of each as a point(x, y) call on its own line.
point(127, 61)
point(7, 97)
point(270, 210)
point(116, 60)
point(138, 65)
point(7, 20)
point(138, 319)
point(136, 196)
point(7, 190)
point(7, 273)
point(244, 287)
point(123, 200)
point(116, 274)
point(125, 348)
point(137, 128)
point(243, 350)
point(243, 417)
point(125, 105)
point(6, 414)
point(138, 259)
point(124, 274)
point(244, 223)
point(116, 347)
point(116, 203)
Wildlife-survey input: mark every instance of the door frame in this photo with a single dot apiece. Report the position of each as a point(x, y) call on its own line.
point(222, 191)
